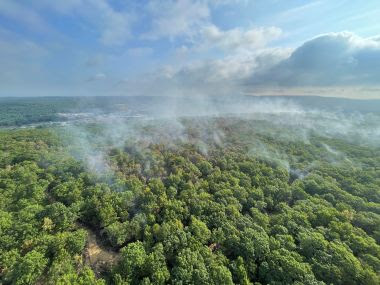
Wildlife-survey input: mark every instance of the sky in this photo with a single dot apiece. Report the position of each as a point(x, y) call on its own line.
point(190, 47)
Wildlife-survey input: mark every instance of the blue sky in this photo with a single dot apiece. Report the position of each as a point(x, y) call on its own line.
point(190, 47)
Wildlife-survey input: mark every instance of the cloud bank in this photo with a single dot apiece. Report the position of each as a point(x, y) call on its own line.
point(336, 59)
point(335, 64)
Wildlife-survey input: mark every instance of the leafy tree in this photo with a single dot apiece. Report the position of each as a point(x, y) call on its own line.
point(29, 269)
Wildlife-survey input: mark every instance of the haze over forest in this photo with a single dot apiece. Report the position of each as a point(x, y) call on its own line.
point(189, 142)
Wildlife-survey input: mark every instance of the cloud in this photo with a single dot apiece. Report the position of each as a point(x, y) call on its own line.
point(336, 64)
point(191, 20)
point(238, 39)
point(336, 59)
point(171, 19)
point(375, 38)
point(223, 76)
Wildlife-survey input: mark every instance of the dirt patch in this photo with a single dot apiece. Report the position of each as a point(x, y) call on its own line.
point(97, 256)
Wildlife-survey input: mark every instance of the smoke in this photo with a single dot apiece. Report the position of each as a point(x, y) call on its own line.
point(269, 153)
point(267, 127)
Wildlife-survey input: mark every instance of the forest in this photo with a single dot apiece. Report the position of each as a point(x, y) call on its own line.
point(257, 199)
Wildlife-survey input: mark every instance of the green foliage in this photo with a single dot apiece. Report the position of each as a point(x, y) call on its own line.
point(28, 269)
point(180, 215)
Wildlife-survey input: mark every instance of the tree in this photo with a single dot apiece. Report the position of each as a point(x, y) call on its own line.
point(199, 230)
point(132, 263)
point(61, 216)
point(29, 268)
point(284, 267)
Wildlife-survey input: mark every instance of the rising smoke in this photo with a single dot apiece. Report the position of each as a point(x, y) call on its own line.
point(204, 122)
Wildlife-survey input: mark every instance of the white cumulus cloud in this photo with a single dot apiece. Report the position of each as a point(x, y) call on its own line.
point(335, 59)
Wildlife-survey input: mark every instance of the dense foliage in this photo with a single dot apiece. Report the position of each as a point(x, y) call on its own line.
point(182, 213)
